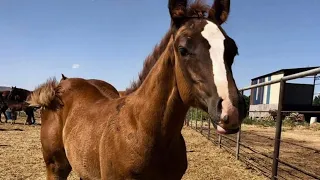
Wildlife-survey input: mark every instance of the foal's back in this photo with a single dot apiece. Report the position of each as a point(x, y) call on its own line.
point(105, 88)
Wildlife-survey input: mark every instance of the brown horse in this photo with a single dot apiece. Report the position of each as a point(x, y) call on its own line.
point(138, 136)
point(22, 106)
point(18, 94)
point(16, 101)
point(4, 94)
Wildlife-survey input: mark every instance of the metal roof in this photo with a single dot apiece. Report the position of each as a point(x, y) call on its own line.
point(287, 72)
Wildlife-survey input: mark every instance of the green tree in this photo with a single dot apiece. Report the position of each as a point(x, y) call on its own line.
point(247, 102)
point(316, 101)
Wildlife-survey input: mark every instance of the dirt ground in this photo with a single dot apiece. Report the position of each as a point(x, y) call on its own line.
point(21, 158)
point(300, 147)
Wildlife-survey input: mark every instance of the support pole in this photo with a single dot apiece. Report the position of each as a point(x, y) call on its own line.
point(238, 137)
point(277, 139)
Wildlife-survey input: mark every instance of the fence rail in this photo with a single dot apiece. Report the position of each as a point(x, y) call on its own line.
point(277, 140)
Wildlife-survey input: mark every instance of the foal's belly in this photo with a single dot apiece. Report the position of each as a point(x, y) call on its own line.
point(82, 151)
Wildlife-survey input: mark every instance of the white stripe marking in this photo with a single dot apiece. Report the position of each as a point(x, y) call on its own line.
point(215, 38)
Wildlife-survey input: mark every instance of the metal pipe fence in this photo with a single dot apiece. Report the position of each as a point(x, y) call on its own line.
point(205, 129)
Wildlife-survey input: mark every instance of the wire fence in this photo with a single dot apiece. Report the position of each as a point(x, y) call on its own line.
point(262, 152)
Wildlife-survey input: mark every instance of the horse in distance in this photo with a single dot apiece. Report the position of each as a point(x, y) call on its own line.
point(17, 102)
point(4, 104)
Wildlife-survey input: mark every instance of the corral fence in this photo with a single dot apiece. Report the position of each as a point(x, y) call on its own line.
point(199, 121)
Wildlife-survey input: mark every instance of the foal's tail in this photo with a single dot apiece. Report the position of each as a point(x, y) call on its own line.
point(46, 95)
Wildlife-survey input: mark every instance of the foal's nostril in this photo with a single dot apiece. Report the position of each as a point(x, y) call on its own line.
point(225, 119)
point(219, 105)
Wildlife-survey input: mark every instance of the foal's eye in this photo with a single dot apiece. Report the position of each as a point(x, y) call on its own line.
point(183, 51)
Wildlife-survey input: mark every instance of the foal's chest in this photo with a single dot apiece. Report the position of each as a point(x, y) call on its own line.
point(155, 164)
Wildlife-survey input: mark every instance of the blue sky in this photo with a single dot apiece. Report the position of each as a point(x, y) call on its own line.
point(109, 39)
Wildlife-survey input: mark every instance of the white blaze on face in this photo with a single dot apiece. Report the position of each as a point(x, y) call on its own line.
point(215, 38)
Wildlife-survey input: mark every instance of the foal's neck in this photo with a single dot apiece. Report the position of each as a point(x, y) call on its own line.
point(162, 109)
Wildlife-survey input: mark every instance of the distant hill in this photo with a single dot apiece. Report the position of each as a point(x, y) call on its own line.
point(4, 88)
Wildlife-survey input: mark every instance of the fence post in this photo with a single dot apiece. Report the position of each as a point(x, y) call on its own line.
point(197, 119)
point(201, 122)
point(186, 120)
point(188, 123)
point(239, 136)
point(191, 119)
point(277, 139)
point(238, 143)
point(209, 128)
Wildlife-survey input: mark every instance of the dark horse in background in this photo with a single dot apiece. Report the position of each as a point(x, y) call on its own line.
point(17, 102)
point(4, 104)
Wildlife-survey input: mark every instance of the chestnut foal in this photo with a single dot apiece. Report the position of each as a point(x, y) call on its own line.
point(138, 136)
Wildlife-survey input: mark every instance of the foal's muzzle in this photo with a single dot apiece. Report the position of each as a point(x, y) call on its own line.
point(225, 116)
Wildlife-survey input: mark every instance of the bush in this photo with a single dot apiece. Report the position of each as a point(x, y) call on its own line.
point(273, 113)
point(194, 113)
point(292, 120)
point(265, 122)
point(316, 101)
point(315, 126)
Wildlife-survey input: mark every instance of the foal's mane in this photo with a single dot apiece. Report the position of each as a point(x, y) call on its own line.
point(195, 9)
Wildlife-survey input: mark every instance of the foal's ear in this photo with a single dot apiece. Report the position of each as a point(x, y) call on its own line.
point(177, 10)
point(63, 77)
point(220, 11)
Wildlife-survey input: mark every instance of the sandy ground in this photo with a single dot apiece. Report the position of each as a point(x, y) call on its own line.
point(21, 158)
point(300, 147)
